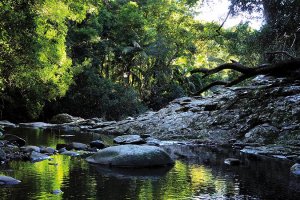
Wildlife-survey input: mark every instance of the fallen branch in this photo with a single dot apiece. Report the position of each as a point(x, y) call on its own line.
point(283, 69)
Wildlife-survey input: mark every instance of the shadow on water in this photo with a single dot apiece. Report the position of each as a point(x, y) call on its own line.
point(128, 173)
point(199, 173)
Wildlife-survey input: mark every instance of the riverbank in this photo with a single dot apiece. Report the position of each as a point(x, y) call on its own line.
point(261, 118)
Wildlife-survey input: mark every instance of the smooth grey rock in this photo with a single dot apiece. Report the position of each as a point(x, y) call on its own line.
point(2, 155)
point(56, 192)
point(232, 161)
point(36, 157)
point(7, 124)
point(131, 156)
point(30, 148)
point(36, 125)
point(6, 180)
point(97, 144)
point(129, 139)
point(48, 150)
point(295, 169)
point(78, 146)
point(70, 153)
point(61, 150)
point(152, 141)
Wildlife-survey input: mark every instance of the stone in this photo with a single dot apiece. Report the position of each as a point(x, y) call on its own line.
point(6, 180)
point(97, 144)
point(264, 133)
point(78, 146)
point(295, 169)
point(13, 139)
point(129, 139)
point(7, 124)
point(48, 150)
point(36, 125)
point(64, 118)
point(57, 192)
point(131, 156)
point(232, 161)
point(61, 150)
point(2, 155)
point(36, 157)
point(70, 153)
point(30, 148)
point(152, 141)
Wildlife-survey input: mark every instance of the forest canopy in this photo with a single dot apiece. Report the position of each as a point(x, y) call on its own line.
point(114, 58)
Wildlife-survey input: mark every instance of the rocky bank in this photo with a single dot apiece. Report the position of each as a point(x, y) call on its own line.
point(260, 118)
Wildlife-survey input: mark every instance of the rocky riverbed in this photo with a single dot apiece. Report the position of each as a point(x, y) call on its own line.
point(262, 118)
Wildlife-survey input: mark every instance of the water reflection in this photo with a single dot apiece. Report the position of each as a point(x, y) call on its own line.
point(200, 174)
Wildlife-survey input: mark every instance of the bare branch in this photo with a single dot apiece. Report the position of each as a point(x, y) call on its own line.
point(234, 66)
point(283, 69)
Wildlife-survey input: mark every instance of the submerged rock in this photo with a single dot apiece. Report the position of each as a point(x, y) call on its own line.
point(36, 157)
point(70, 153)
point(131, 156)
point(295, 169)
point(129, 139)
point(6, 180)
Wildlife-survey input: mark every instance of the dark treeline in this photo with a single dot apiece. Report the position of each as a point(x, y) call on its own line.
point(114, 58)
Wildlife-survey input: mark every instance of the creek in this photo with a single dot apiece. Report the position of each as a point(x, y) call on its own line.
point(198, 173)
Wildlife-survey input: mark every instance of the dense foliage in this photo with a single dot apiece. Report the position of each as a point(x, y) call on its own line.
point(106, 57)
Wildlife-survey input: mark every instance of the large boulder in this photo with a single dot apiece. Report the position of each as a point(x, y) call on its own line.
point(6, 180)
point(129, 139)
point(131, 156)
point(64, 118)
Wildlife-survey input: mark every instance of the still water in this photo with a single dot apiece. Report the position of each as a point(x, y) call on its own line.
point(199, 173)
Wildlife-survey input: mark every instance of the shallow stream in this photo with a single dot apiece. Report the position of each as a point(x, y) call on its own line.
point(199, 173)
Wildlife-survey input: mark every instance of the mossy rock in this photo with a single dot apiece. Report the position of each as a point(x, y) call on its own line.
point(131, 156)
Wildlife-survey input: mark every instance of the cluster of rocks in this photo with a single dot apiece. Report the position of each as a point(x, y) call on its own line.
point(262, 118)
point(266, 113)
point(126, 153)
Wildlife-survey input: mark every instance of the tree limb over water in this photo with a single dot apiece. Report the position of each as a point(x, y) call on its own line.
point(290, 68)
